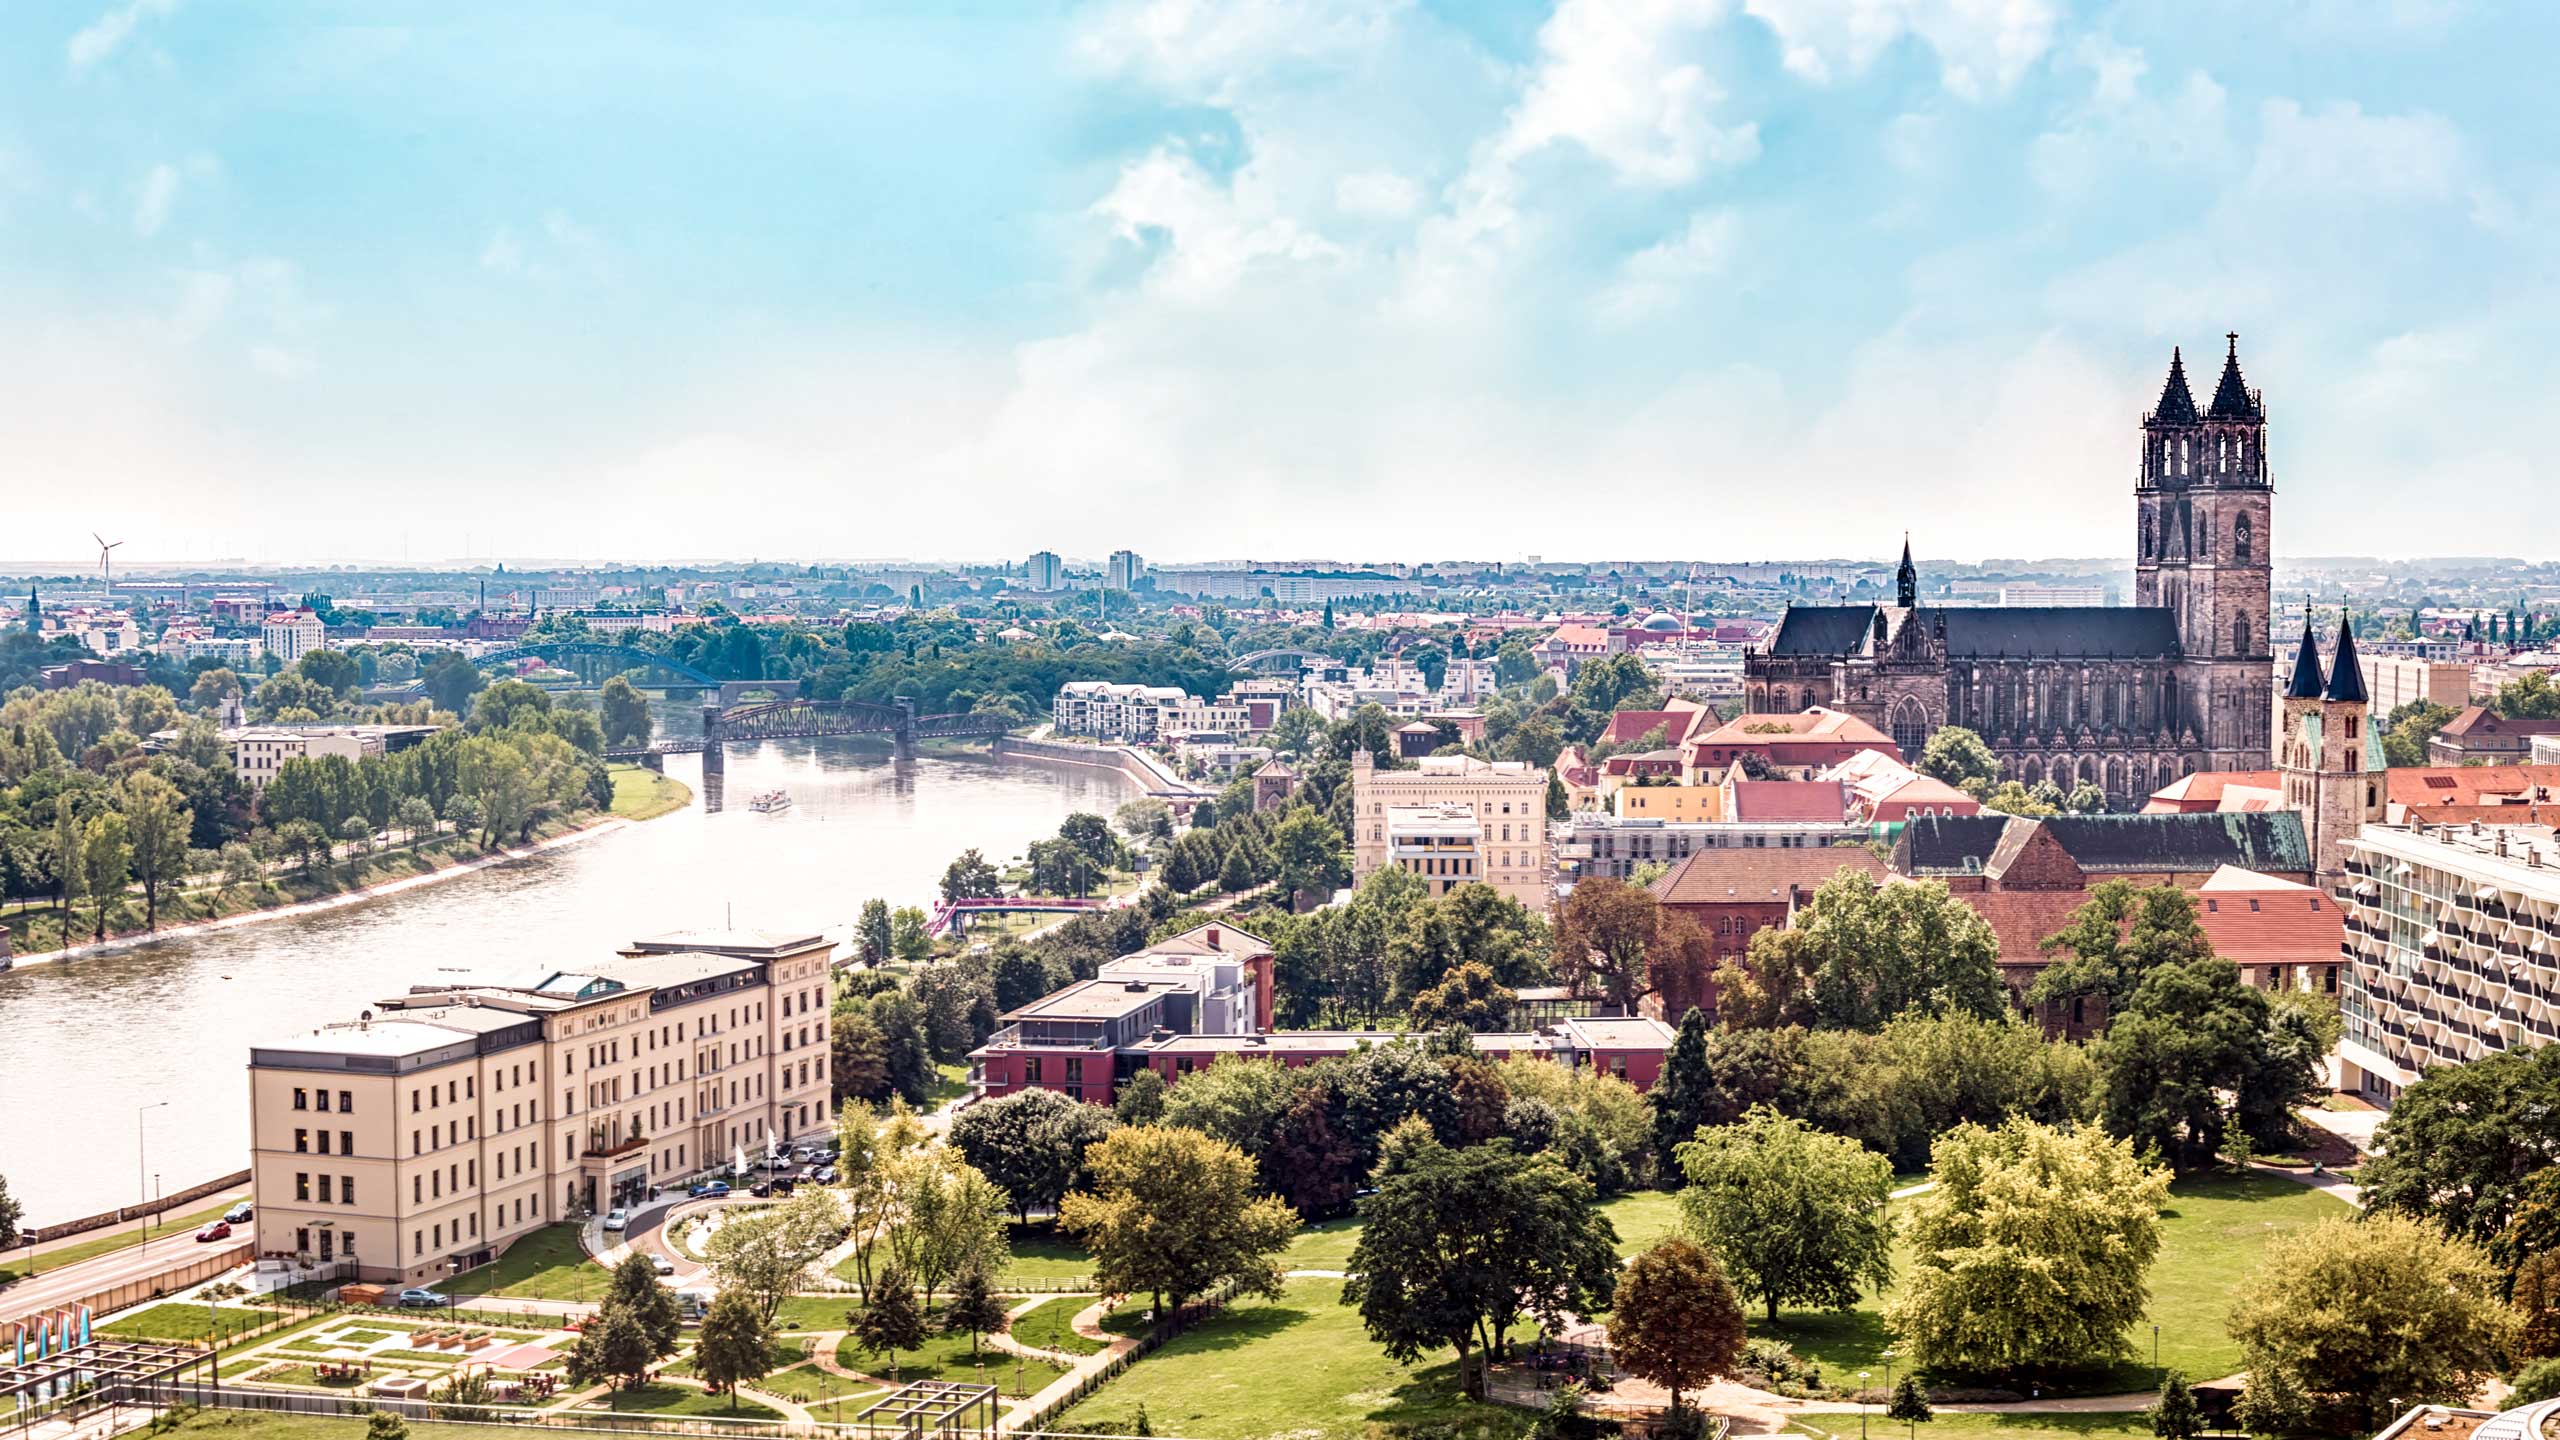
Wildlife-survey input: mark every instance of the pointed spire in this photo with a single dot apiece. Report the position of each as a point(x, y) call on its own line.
point(2308, 682)
point(2177, 403)
point(1906, 579)
point(2346, 676)
point(2231, 397)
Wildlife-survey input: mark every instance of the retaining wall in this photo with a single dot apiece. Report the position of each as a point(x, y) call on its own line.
point(40, 1234)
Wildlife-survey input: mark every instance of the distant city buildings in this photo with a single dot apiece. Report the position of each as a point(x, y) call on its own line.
point(289, 635)
point(1043, 571)
point(1123, 570)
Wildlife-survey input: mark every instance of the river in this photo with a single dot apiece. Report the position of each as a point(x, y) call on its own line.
point(85, 1042)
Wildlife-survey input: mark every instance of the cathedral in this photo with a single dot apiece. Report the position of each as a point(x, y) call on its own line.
point(2127, 698)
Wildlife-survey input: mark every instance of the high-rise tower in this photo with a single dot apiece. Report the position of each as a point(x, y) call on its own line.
point(2203, 533)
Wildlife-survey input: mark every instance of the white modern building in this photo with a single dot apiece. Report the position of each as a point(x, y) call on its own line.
point(1123, 570)
point(291, 634)
point(1044, 570)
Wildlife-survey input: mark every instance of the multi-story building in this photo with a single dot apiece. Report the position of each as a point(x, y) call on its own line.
point(258, 752)
point(444, 1124)
point(2480, 735)
point(1597, 844)
point(291, 634)
point(1508, 799)
point(1044, 570)
point(1114, 712)
point(2450, 934)
point(1123, 570)
point(2396, 680)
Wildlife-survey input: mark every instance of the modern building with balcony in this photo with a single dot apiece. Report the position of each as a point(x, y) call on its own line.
point(2453, 939)
point(437, 1128)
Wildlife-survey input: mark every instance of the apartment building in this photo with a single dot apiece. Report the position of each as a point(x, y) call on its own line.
point(1506, 798)
point(445, 1123)
point(291, 634)
point(2450, 934)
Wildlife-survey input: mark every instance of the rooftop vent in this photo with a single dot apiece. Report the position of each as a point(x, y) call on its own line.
point(1213, 937)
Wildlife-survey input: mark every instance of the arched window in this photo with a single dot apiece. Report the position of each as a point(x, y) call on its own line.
point(1778, 701)
point(1910, 728)
point(2240, 635)
point(2240, 529)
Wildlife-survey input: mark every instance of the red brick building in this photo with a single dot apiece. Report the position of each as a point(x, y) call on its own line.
point(1734, 894)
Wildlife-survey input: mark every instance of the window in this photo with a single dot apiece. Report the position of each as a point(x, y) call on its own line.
point(346, 1102)
point(301, 1142)
point(301, 1185)
point(324, 1142)
point(324, 1189)
point(301, 1098)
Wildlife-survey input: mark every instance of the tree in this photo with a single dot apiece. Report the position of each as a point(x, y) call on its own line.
point(890, 1319)
point(909, 940)
point(109, 858)
point(951, 1217)
point(2461, 1145)
point(1863, 952)
point(2359, 1315)
point(1145, 819)
point(1469, 998)
point(2536, 1297)
point(1031, 1144)
point(385, 1425)
point(1141, 1099)
point(2176, 1415)
point(624, 713)
point(634, 1328)
point(1091, 835)
point(213, 687)
point(1172, 1214)
point(1457, 1245)
point(2119, 935)
point(1310, 852)
point(2031, 1250)
point(1910, 1403)
point(1236, 876)
point(10, 1213)
point(1797, 1216)
point(736, 1345)
point(634, 1291)
point(871, 932)
point(160, 824)
point(2191, 1034)
point(2407, 730)
point(1305, 1162)
point(765, 1256)
point(970, 877)
point(1675, 1320)
point(974, 1308)
point(2530, 696)
point(1602, 936)
point(70, 860)
point(1957, 756)
point(1681, 1093)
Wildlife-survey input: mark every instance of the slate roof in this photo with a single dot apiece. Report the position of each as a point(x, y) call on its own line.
point(2231, 399)
point(2000, 631)
point(1822, 629)
point(1939, 845)
point(2307, 679)
point(2346, 673)
point(2177, 403)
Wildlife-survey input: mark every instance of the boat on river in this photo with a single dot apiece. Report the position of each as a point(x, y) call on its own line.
point(771, 802)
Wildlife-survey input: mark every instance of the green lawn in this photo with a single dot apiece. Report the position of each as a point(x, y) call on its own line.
point(949, 1083)
point(2211, 1235)
point(640, 793)
point(22, 1265)
point(181, 1320)
point(1962, 1426)
point(545, 1265)
point(261, 1425)
point(1300, 1367)
point(682, 1400)
point(1051, 1326)
point(814, 1312)
point(946, 1357)
point(1041, 1253)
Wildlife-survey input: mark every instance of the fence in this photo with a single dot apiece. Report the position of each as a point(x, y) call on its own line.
point(1110, 1369)
point(148, 1287)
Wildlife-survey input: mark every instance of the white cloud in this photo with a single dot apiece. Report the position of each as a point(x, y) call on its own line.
point(1203, 49)
point(2122, 128)
point(1661, 274)
point(107, 34)
point(1982, 46)
point(551, 248)
point(1618, 78)
point(2340, 150)
point(153, 199)
point(1376, 195)
point(503, 252)
point(1211, 234)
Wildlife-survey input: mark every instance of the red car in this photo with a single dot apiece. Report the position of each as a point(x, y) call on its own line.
point(218, 1230)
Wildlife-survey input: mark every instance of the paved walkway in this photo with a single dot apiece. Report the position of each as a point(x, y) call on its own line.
point(1087, 1323)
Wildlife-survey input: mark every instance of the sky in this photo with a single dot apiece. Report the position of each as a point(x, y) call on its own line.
point(1424, 280)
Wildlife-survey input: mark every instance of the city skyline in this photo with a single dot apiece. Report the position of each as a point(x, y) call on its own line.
point(571, 286)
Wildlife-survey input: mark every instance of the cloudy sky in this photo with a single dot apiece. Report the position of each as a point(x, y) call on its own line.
point(1717, 278)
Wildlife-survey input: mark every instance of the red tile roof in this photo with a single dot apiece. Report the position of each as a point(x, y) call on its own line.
point(1629, 726)
point(2427, 787)
point(1814, 724)
point(1722, 876)
point(1815, 800)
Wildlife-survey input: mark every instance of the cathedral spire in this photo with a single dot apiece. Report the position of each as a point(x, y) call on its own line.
point(2177, 402)
point(2308, 682)
point(2231, 399)
point(2346, 676)
point(1906, 580)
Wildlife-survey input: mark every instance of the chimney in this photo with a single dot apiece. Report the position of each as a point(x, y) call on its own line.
point(1213, 937)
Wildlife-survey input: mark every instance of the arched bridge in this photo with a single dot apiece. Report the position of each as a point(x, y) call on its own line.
point(624, 657)
point(1260, 659)
point(797, 719)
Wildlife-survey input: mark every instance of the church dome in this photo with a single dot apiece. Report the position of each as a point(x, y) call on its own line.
point(1661, 622)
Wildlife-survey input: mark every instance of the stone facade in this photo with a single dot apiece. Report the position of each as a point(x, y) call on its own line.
point(2128, 698)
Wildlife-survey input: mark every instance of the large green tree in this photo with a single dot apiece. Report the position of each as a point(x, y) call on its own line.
point(1172, 1214)
point(2033, 1250)
point(2117, 936)
point(1031, 1144)
point(2194, 1046)
point(1682, 1093)
point(624, 713)
point(1863, 951)
point(2462, 1145)
point(1457, 1245)
point(765, 1256)
point(1675, 1319)
point(1797, 1216)
point(736, 1345)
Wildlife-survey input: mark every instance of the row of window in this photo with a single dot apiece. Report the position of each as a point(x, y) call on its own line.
point(302, 1142)
point(418, 1238)
point(319, 1100)
point(343, 1192)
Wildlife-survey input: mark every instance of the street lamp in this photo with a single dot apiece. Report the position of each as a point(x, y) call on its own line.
point(2156, 1376)
point(142, 1163)
point(1863, 1407)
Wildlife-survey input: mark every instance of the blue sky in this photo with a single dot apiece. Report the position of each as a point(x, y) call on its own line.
point(1417, 280)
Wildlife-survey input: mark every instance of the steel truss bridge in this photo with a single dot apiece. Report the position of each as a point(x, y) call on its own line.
point(798, 719)
point(952, 916)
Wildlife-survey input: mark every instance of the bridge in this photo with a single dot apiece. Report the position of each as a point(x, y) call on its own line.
point(1261, 660)
point(951, 916)
point(799, 719)
point(594, 660)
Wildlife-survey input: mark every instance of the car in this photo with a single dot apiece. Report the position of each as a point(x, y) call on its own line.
point(218, 1230)
point(785, 1184)
point(237, 1214)
point(761, 1189)
point(709, 1190)
point(616, 1221)
point(422, 1299)
point(662, 1264)
point(826, 1175)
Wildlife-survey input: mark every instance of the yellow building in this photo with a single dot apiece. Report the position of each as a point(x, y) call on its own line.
point(1670, 802)
point(425, 1136)
point(1506, 799)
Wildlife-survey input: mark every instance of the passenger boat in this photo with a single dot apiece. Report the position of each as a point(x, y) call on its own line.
point(771, 802)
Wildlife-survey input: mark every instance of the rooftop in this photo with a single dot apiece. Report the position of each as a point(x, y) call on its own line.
point(1720, 875)
point(749, 944)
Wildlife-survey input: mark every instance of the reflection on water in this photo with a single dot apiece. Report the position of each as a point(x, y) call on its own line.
point(84, 1043)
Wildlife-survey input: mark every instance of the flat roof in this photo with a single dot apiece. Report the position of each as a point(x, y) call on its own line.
point(757, 944)
point(1096, 1000)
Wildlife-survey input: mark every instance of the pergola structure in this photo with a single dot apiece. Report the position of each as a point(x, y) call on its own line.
point(939, 1408)
point(104, 1363)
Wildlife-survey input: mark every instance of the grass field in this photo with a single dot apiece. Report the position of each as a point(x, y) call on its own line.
point(2132, 1426)
point(1051, 1327)
point(107, 1242)
point(545, 1265)
point(1299, 1367)
point(640, 793)
point(946, 1357)
point(256, 1425)
point(1041, 1253)
point(803, 1313)
point(681, 1400)
point(2211, 1236)
point(185, 1321)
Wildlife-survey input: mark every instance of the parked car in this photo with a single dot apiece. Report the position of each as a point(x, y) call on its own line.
point(785, 1184)
point(422, 1299)
point(709, 1189)
point(237, 1214)
point(615, 1221)
point(692, 1305)
point(662, 1264)
point(826, 1175)
point(218, 1230)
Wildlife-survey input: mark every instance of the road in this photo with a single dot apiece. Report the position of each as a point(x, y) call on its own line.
point(88, 1277)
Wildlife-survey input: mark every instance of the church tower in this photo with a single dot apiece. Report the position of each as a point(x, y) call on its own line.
point(2329, 760)
point(2203, 533)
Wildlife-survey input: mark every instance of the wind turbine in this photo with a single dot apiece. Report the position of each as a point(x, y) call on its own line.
point(106, 558)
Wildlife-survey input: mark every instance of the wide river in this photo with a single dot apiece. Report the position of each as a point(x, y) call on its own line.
point(84, 1043)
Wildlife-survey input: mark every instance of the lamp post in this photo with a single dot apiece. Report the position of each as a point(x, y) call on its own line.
point(2156, 1376)
point(142, 1163)
point(1863, 1407)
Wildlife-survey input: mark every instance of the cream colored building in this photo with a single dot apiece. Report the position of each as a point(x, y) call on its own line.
point(1669, 802)
point(2392, 681)
point(291, 634)
point(1506, 798)
point(427, 1135)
